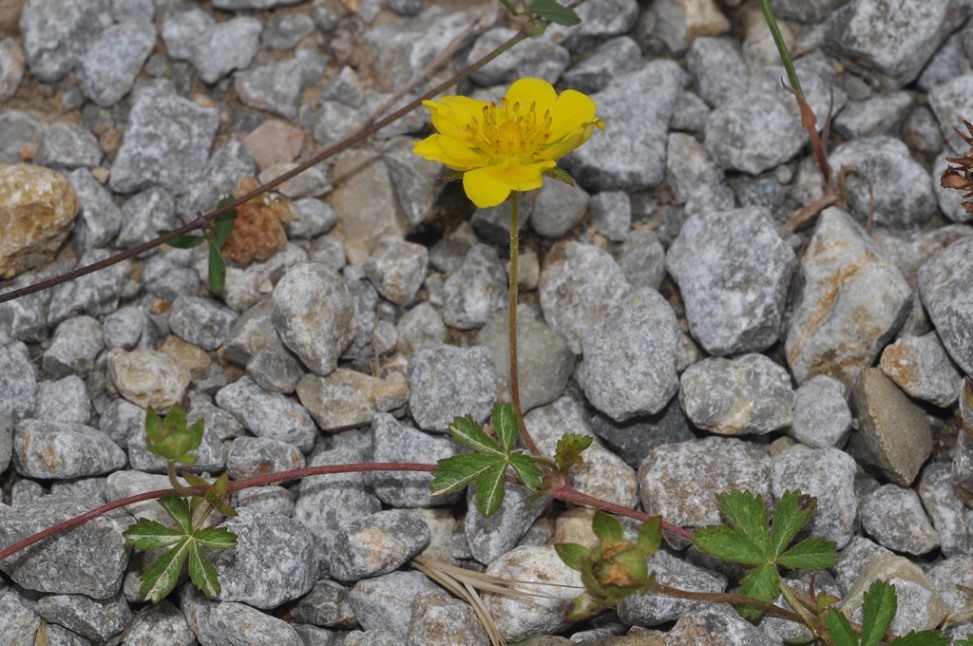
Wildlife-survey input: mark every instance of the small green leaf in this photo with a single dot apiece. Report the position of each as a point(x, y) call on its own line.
point(467, 432)
point(489, 488)
point(527, 470)
point(561, 175)
point(810, 554)
point(552, 11)
point(216, 538)
point(217, 268)
point(839, 628)
point(569, 449)
point(760, 583)
point(169, 438)
point(178, 509)
point(505, 424)
point(149, 535)
point(456, 472)
point(202, 572)
point(223, 226)
point(650, 535)
point(583, 606)
point(162, 575)
point(793, 513)
point(729, 545)
point(606, 528)
point(573, 555)
point(747, 513)
point(878, 609)
point(216, 496)
point(510, 7)
point(184, 241)
point(928, 638)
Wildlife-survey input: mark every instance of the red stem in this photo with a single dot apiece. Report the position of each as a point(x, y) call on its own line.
point(569, 494)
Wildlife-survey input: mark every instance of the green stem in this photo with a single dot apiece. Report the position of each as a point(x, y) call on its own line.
point(810, 621)
point(174, 479)
point(785, 56)
point(512, 323)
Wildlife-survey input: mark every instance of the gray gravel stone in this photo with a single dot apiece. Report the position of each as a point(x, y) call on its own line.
point(68, 145)
point(694, 178)
point(490, 538)
point(162, 624)
point(943, 283)
point(64, 400)
point(822, 418)
point(397, 268)
point(268, 414)
point(611, 215)
point(876, 115)
point(57, 32)
point(6, 442)
point(313, 314)
point(95, 294)
point(377, 544)
point(540, 58)
point(325, 605)
point(95, 619)
point(893, 433)
point(420, 327)
point(444, 622)
point(733, 271)
point(718, 68)
point(247, 574)
point(919, 366)
point(99, 219)
point(25, 318)
point(653, 609)
point(147, 378)
point(643, 259)
point(245, 287)
point(225, 623)
point(578, 284)
point(476, 291)
point(253, 343)
point(166, 143)
point(58, 565)
point(950, 102)
point(253, 456)
point(828, 475)
point(313, 217)
point(894, 517)
point(634, 439)
point(639, 334)
point(18, 380)
point(201, 321)
point(143, 215)
point(107, 70)
point(11, 67)
point(276, 87)
point(559, 207)
point(610, 59)
point(448, 382)
point(851, 304)
point(600, 20)
point(898, 190)
point(17, 131)
point(58, 450)
point(951, 518)
point(20, 622)
point(384, 603)
point(718, 619)
point(225, 47)
point(681, 481)
point(396, 442)
point(76, 344)
point(365, 301)
point(890, 54)
point(749, 394)
point(630, 154)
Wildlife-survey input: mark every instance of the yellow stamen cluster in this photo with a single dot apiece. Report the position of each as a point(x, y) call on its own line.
point(506, 132)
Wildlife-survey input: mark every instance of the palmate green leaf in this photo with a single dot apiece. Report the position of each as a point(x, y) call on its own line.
point(216, 538)
point(572, 554)
point(526, 469)
point(217, 268)
point(202, 572)
point(759, 583)
point(746, 513)
point(178, 509)
point(729, 545)
point(928, 638)
point(810, 554)
point(162, 575)
point(458, 471)
point(505, 424)
point(489, 488)
point(467, 432)
point(552, 11)
point(169, 437)
point(149, 535)
point(878, 609)
point(607, 528)
point(792, 514)
point(569, 449)
point(839, 629)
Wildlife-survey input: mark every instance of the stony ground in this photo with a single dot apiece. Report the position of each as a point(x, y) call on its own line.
point(667, 307)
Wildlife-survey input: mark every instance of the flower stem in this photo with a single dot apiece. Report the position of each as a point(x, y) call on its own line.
point(512, 323)
point(566, 493)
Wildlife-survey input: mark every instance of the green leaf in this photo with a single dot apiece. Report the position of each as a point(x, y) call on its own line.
point(561, 175)
point(569, 449)
point(169, 438)
point(216, 538)
point(878, 609)
point(202, 572)
point(794, 511)
point(527, 470)
point(839, 628)
point(216, 496)
point(162, 575)
point(184, 241)
point(810, 554)
point(729, 545)
point(178, 509)
point(149, 535)
point(456, 472)
point(223, 227)
point(467, 432)
point(217, 268)
point(760, 583)
point(510, 7)
point(746, 513)
point(572, 554)
point(650, 535)
point(928, 638)
point(505, 424)
point(606, 528)
point(489, 489)
point(552, 11)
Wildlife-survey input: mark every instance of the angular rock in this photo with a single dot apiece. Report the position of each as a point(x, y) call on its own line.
point(420, 327)
point(444, 622)
point(64, 400)
point(384, 603)
point(254, 456)
point(750, 394)
point(325, 605)
point(851, 304)
point(59, 450)
point(653, 609)
point(822, 418)
point(162, 624)
point(268, 414)
point(611, 215)
point(488, 538)
point(733, 271)
point(476, 291)
point(397, 268)
point(951, 102)
point(147, 378)
point(227, 622)
point(201, 322)
point(57, 32)
point(396, 442)
point(377, 544)
point(718, 619)
point(943, 286)
point(348, 398)
point(76, 344)
point(67, 145)
point(920, 366)
point(894, 517)
point(448, 382)
point(114, 59)
point(920, 607)
point(694, 177)
point(559, 207)
point(951, 518)
point(828, 475)
point(95, 619)
point(539, 58)
point(608, 60)
point(95, 294)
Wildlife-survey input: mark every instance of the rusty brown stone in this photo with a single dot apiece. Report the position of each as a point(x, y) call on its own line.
point(258, 231)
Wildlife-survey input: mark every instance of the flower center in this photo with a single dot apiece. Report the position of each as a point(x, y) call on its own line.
point(508, 131)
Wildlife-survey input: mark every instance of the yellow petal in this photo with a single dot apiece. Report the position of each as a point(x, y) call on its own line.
point(489, 186)
point(572, 110)
point(447, 150)
point(531, 90)
point(561, 148)
point(453, 113)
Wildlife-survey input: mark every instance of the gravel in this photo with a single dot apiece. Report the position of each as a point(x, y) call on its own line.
point(664, 311)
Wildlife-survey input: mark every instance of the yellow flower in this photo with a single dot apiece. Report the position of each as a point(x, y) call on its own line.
point(508, 147)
